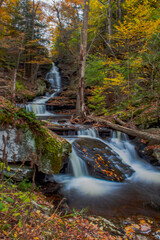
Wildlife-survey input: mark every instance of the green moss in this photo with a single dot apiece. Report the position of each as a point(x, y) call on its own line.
point(51, 150)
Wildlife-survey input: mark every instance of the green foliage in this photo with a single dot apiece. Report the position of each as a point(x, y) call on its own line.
point(95, 71)
point(20, 86)
point(25, 185)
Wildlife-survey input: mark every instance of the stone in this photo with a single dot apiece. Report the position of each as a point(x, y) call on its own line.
point(102, 161)
point(19, 172)
point(20, 145)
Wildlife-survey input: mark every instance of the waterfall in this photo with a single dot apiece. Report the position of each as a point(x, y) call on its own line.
point(38, 106)
point(79, 167)
point(54, 78)
point(91, 132)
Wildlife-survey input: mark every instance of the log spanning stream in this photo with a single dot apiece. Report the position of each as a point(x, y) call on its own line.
point(136, 187)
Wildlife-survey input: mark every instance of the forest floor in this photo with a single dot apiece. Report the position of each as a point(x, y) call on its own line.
point(27, 214)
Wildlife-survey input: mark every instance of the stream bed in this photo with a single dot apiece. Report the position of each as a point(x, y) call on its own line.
point(105, 176)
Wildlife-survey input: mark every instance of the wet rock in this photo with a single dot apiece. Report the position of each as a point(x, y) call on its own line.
point(102, 161)
point(19, 172)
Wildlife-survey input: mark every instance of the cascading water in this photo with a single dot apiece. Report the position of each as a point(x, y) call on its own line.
point(107, 197)
point(91, 132)
point(38, 106)
point(54, 78)
point(78, 165)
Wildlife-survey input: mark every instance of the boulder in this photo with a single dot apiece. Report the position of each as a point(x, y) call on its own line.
point(102, 161)
point(19, 144)
point(49, 152)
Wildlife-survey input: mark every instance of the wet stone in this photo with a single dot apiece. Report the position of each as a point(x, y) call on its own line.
point(101, 160)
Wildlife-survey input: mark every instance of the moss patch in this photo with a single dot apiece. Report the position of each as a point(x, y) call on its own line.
point(51, 150)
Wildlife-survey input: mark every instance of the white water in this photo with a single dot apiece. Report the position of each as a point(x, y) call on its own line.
point(54, 78)
point(78, 165)
point(83, 190)
point(91, 132)
point(38, 106)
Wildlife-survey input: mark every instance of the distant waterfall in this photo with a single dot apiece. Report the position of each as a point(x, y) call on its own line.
point(54, 78)
point(38, 106)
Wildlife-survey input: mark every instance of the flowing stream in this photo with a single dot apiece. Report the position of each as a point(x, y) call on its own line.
point(138, 193)
point(139, 188)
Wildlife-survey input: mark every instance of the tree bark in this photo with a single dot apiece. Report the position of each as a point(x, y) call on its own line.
point(109, 22)
point(155, 138)
point(119, 10)
point(13, 90)
point(80, 105)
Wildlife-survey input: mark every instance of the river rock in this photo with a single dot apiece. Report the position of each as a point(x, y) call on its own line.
point(102, 161)
point(19, 172)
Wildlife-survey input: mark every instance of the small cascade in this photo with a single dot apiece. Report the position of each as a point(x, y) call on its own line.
point(91, 132)
point(38, 109)
point(78, 165)
point(38, 106)
point(144, 172)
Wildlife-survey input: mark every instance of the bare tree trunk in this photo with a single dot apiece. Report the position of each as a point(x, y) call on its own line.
point(80, 107)
point(13, 90)
point(34, 72)
point(109, 22)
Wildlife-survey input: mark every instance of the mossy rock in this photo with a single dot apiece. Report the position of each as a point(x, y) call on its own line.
point(52, 151)
point(28, 140)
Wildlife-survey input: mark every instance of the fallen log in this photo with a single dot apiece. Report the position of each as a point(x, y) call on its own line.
point(154, 138)
point(125, 124)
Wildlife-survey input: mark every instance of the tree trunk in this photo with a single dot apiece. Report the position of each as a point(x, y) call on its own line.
point(13, 90)
point(155, 138)
point(34, 72)
point(109, 22)
point(119, 10)
point(14, 76)
point(80, 106)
